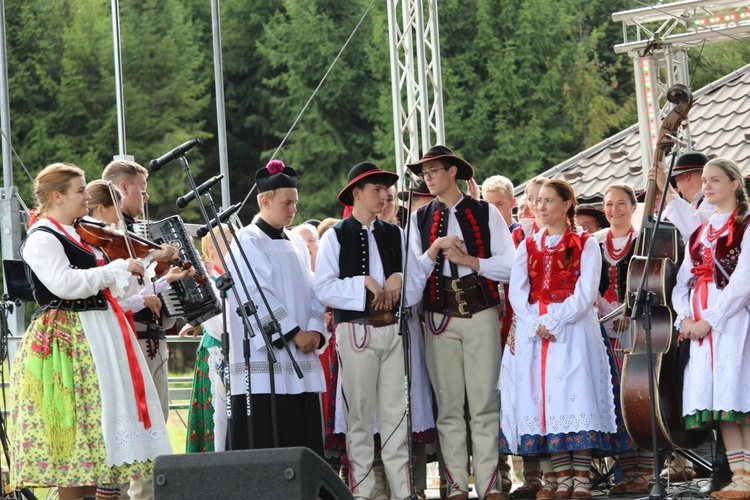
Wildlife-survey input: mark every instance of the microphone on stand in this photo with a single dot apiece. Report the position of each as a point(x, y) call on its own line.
point(157, 164)
point(220, 219)
point(183, 201)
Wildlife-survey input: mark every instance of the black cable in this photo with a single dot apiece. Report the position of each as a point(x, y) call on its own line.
point(697, 65)
point(382, 445)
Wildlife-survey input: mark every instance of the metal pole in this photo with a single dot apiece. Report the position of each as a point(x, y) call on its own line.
point(121, 133)
point(221, 124)
point(5, 105)
point(10, 218)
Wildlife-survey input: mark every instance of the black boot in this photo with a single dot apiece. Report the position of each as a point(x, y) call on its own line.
point(720, 475)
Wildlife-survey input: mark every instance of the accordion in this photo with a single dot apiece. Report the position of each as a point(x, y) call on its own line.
point(186, 298)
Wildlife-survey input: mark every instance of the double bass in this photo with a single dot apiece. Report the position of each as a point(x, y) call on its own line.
point(660, 278)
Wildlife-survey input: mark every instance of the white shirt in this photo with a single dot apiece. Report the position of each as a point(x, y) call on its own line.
point(350, 293)
point(496, 267)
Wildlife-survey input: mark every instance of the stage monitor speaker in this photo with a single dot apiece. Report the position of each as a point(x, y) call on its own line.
point(253, 474)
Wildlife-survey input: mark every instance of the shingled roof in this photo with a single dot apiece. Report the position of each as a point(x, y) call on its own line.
point(719, 126)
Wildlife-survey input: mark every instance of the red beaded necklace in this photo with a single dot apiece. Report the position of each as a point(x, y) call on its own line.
point(617, 255)
point(713, 234)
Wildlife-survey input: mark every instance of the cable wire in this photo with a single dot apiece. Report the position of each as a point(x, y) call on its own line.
point(312, 96)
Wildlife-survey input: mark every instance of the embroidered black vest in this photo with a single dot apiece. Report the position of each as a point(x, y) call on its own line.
point(474, 220)
point(79, 259)
point(726, 255)
point(354, 257)
point(622, 271)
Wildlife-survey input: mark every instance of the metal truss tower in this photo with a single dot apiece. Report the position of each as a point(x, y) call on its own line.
point(658, 38)
point(416, 83)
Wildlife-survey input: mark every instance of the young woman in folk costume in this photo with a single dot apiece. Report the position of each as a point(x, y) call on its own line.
point(80, 383)
point(711, 300)
point(561, 401)
point(533, 466)
point(617, 245)
point(529, 217)
point(207, 416)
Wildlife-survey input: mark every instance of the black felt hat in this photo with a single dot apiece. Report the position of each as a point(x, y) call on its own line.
point(465, 171)
point(688, 162)
point(421, 190)
point(275, 175)
point(595, 212)
point(362, 171)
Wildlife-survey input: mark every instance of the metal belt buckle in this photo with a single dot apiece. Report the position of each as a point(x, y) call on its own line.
point(460, 302)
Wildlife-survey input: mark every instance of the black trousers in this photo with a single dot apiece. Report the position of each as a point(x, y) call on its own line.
point(298, 418)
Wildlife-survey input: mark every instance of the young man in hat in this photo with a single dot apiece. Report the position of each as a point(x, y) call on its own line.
point(591, 218)
point(281, 263)
point(684, 206)
point(465, 247)
point(359, 274)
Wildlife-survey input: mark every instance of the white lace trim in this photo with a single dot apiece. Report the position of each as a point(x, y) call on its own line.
point(555, 326)
point(678, 322)
point(134, 442)
point(716, 319)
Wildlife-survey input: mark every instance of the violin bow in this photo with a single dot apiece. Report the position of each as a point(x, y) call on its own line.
point(121, 222)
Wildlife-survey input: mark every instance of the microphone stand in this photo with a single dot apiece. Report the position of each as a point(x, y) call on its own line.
point(249, 308)
point(642, 304)
point(245, 310)
point(273, 326)
point(403, 330)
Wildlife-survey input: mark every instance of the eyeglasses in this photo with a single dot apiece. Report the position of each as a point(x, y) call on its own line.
point(430, 174)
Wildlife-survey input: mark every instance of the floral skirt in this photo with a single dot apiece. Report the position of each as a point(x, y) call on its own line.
point(707, 419)
point(55, 428)
point(601, 443)
point(200, 435)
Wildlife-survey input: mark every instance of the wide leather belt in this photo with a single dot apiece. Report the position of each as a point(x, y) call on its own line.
point(378, 318)
point(462, 297)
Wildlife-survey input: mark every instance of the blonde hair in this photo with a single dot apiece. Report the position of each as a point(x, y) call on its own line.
point(123, 171)
point(732, 170)
point(498, 183)
point(100, 193)
point(265, 194)
point(325, 224)
point(207, 243)
point(54, 178)
point(536, 181)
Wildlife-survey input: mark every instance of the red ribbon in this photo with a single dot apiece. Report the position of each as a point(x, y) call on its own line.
point(610, 295)
point(139, 388)
point(705, 275)
point(545, 347)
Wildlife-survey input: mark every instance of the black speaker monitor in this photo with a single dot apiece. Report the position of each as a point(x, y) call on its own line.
point(252, 474)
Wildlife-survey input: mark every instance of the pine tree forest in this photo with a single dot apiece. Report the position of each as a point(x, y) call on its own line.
point(526, 85)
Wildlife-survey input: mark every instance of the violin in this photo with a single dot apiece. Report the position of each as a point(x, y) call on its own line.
point(661, 276)
point(114, 243)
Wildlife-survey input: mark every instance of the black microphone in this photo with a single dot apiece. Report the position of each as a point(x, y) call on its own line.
point(182, 201)
point(155, 165)
point(412, 178)
point(221, 218)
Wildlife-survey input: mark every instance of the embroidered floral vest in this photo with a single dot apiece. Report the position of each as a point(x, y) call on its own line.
point(726, 255)
point(474, 220)
point(559, 282)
